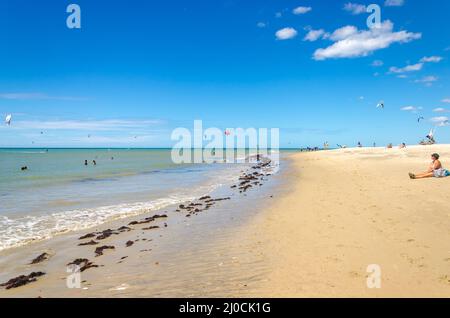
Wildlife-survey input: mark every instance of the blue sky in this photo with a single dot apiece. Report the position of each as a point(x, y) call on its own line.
point(138, 69)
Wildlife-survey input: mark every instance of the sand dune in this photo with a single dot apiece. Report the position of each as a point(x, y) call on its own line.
point(350, 208)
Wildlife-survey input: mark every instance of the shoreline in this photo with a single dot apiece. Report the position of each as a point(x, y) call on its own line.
point(312, 232)
point(147, 248)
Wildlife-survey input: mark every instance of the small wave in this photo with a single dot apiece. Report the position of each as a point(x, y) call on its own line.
point(100, 179)
point(25, 152)
point(15, 232)
point(21, 231)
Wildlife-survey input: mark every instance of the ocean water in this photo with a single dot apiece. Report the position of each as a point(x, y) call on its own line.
point(59, 193)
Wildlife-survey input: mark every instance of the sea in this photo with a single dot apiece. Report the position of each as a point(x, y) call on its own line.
point(58, 192)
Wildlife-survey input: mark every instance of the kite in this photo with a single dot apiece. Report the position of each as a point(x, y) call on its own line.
point(8, 119)
point(380, 105)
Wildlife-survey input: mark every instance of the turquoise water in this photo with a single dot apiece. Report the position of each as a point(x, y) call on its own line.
point(59, 193)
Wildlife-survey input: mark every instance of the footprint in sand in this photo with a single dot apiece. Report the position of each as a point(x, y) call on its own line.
point(445, 279)
point(355, 274)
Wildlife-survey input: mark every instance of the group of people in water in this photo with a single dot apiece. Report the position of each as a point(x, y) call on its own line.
point(86, 163)
point(93, 162)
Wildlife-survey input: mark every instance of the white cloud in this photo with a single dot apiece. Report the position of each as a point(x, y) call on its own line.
point(286, 34)
point(314, 35)
point(88, 125)
point(402, 76)
point(301, 10)
point(343, 33)
point(439, 120)
point(261, 25)
point(415, 67)
point(446, 100)
point(408, 68)
point(427, 79)
point(351, 43)
point(440, 110)
point(431, 59)
point(410, 108)
point(355, 8)
point(38, 96)
point(394, 3)
point(377, 63)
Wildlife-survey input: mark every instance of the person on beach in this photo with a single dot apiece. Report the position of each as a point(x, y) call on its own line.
point(402, 146)
point(85, 163)
point(435, 170)
point(94, 162)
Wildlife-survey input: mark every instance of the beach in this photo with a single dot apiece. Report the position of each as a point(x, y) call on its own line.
point(311, 230)
point(349, 208)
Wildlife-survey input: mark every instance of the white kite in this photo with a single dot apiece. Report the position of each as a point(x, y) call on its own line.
point(8, 119)
point(380, 105)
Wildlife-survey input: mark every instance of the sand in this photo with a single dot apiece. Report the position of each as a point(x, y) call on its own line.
point(349, 208)
point(333, 214)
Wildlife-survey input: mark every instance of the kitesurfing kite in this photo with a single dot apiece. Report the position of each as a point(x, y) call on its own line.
point(8, 119)
point(380, 105)
point(430, 135)
point(419, 119)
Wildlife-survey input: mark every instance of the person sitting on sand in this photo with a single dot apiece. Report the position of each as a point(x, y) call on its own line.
point(435, 170)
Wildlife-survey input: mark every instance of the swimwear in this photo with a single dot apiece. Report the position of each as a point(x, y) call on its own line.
point(440, 173)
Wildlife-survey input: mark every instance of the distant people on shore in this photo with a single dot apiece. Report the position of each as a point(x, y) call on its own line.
point(94, 162)
point(434, 170)
point(402, 146)
point(359, 144)
point(389, 146)
point(85, 162)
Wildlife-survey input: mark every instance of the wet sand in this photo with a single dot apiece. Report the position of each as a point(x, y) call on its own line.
point(193, 252)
